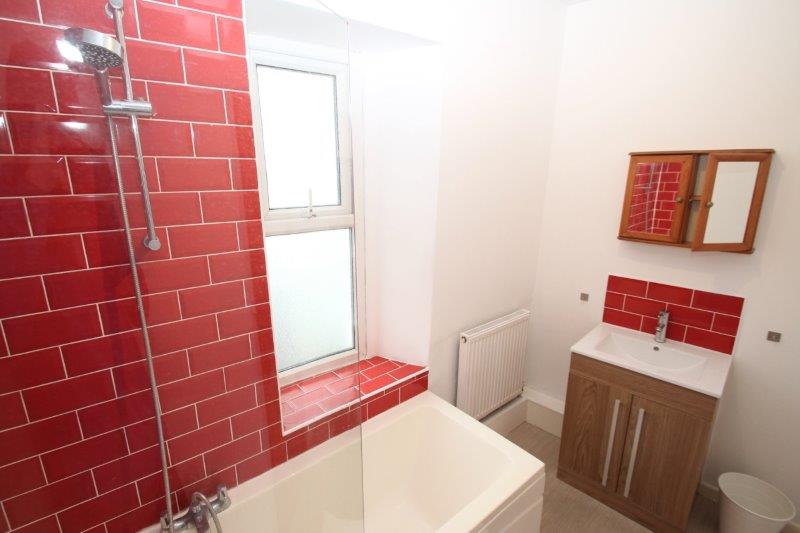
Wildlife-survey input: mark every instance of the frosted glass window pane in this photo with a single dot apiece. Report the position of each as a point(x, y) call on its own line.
point(298, 121)
point(311, 294)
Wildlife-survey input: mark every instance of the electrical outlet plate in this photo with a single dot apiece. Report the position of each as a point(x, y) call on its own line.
point(584, 296)
point(773, 336)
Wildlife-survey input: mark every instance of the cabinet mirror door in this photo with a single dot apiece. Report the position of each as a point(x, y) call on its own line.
point(731, 200)
point(655, 198)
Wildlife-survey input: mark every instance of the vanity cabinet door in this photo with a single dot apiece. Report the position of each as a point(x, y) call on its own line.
point(595, 418)
point(664, 453)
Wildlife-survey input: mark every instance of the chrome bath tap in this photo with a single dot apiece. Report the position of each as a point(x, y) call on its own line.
point(661, 328)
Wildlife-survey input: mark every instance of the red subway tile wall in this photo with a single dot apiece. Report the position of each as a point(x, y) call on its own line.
point(78, 445)
point(705, 319)
point(653, 197)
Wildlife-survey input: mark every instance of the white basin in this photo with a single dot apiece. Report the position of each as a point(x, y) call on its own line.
point(694, 368)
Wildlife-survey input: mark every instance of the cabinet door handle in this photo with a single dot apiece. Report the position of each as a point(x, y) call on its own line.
point(634, 451)
point(611, 433)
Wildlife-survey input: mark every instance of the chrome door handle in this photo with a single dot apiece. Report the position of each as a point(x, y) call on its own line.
point(634, 451)
point(611, 434)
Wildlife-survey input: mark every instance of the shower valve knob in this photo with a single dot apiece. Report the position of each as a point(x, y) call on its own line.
point(152, 244)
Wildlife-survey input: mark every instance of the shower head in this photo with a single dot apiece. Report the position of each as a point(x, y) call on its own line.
point(98, 50)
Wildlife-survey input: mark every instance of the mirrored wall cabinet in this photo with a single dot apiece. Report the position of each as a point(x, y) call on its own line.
point(705, 200)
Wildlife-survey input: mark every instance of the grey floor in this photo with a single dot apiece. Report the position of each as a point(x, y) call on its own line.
point(567, 509)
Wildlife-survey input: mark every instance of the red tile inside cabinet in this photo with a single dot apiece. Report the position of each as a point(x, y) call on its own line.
point(33, 175)
point(86, 14)
point(26, 90)
point(168, 24)
point(182, 102)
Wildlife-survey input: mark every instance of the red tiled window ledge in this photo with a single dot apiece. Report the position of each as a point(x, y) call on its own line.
point(308, 400)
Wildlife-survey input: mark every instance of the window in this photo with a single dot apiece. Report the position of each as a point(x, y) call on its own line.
point(308, 220)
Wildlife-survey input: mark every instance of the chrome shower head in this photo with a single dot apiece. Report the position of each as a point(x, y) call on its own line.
point(98, 50)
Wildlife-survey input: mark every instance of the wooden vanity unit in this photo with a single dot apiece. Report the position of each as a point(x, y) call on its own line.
point(634, 442)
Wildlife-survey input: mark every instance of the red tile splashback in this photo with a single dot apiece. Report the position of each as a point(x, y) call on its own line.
point(704, 319)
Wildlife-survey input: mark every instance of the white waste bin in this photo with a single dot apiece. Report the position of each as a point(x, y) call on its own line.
point(749, 505)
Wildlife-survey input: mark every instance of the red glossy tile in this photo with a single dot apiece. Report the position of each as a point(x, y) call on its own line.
point(347, 382)
point(166, 138)
point(185, 241)
point(13, 220)
point(272, 436)
point(669, 293)
point(45, 525)
point(614, 300)
point(68, 395)
point(232, 453)
point(177, 423)
point(43, 330)
point(197, 442)
point(244, 174)
point(33, 175)
point(191, 390)
point(382, 403)
point(98, 510)
point(88, 286)
point(138, 519)
point(58, 134)
point(26, 90)
point(209, 485)
point(255, 290)
point(258, 464)
point(20, 10)
point(238, 265)
point(720, 303)
point(71, 214)
point(370, 386)
point(12, 411)
point(20, 477)
point(134, 377)
point(115, 414)
point(690, 316)
point(123, 315)
point(103, 352)
point(77, 93)
point(232, 8)
point(261, 417)
point(180, 475)
point(226, 405)
point(379, 369)
point(418, 386)
point(306, 440)
point(230, 206)
point(160, 276)
point(211, 69)
point(163, 23)
point(675, 331)
point(404, 371)
point(345, 421)
point(219, 354)
point(212, 299)
point(261, 343)
point(252, 371)
point(185, 334)
point(126, 469)
point(183, 174)
point(156, 62)
point(16, 48)
point(244, 320)
point(621, 318)
point(21, 296)
point(30, 370)
point(169, 209)
point(339, 400)
point(83, 455)
point(212, 140)
point(630, 286)
point(86, 14)
point(231, 35)
point(317, 381)
point(49, 499)
point(642, 306)
point(181, 102)
point(5, 135)
point(725, 324)
point(267, 391)
point(96, 175)
point(40, 255)
point(38, 437)
point(708, 339)
point(238, 108)
point(312, 397)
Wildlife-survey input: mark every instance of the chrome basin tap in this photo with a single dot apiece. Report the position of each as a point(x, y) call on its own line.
point(661, 328)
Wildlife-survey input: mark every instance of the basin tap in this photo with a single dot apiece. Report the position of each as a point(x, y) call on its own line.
point(661, 328)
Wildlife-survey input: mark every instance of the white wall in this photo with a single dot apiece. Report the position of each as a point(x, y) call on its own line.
point(665, 75)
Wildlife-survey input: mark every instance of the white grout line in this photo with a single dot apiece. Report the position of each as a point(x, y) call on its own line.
point(55, 93)
point(27, 217)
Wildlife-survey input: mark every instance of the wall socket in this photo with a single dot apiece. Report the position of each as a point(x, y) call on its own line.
point(584, 296)
point(773, 336)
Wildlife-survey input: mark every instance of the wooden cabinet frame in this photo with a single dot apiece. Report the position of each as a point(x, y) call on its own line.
point(683, 215)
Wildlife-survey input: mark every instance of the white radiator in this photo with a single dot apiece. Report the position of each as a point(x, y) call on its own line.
point(491, 364)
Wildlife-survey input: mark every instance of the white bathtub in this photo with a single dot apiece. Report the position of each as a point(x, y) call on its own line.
point(426, 467)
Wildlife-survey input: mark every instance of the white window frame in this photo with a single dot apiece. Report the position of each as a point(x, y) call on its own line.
point(285, 221)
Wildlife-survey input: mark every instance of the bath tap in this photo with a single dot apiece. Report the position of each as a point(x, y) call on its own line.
point(199, 509)
point(661, 328)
